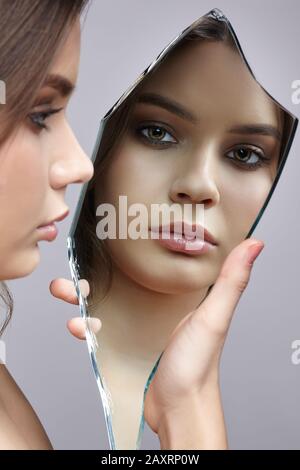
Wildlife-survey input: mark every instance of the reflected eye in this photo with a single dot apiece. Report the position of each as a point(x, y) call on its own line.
point(248, 157)
point(156, 134)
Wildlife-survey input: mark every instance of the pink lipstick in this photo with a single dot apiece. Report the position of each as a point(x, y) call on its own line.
point(184, 238)
point(49, 231)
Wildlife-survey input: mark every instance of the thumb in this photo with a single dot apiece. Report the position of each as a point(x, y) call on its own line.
point(218, 308)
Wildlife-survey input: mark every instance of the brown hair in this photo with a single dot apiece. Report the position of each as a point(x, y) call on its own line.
point(92, 254)
point(31, 33)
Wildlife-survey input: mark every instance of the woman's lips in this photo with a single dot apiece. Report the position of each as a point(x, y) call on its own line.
point(49, 231)
point(186, 240)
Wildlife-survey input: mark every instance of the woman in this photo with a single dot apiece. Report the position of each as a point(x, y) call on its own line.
point(39, 158)
point(198, 130)
point(45, 34)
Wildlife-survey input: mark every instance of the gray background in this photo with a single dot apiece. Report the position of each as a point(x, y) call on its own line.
point(259, 382)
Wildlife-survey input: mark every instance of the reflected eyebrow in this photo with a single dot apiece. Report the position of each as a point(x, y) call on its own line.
point(176, 108)
point(262, 129)
point(60, 83)
point(168, 104)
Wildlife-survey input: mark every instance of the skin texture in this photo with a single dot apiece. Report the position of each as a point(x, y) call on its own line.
point(20, 427)
point(148, 279)
point(154, 288)
point(212, 83)
point(48, 161)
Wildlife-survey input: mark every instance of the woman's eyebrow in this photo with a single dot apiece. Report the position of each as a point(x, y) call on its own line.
point(262, 129)
point(181, 111)
point(168, 104)
point(60, 83)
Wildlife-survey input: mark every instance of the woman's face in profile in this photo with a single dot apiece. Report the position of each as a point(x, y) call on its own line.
point(37, 163)
point(202, 132)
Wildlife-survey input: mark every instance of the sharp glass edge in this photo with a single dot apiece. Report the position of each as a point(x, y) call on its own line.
point(91, 344)
point(215, 13)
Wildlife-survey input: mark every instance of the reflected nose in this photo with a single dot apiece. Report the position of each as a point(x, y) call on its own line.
point(71, 164)
point(196, 183)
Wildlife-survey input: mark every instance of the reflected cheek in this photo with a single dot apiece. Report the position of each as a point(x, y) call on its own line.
point(130, 175)
point(242, 202)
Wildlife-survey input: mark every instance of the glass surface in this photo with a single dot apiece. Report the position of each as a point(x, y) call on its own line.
point(195, 128)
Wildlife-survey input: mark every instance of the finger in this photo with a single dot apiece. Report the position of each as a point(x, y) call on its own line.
point(64, 289)
point(76, 326)
point(218, 308)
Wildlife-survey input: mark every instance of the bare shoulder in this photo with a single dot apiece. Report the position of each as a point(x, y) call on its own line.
point(20, 427)
point(10, 436)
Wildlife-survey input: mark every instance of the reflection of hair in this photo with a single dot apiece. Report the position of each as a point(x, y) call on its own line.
point(31, 32)
point(93, 256)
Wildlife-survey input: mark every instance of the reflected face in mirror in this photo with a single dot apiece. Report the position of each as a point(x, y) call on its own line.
point(202, 131)
point(197, 129)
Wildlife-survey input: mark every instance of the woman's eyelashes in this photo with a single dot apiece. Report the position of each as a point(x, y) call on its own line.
point(39, 118)
point(156, 134)
point(244, 156)
point(248, 157)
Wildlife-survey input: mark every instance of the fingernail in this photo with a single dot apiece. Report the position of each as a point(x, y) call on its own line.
point(253, 251)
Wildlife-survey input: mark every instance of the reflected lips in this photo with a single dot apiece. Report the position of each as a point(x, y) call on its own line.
point(49, 231)
point(182, 237)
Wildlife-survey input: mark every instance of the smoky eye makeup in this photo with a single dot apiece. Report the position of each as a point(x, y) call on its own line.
point(43, 108)
point(155, 133)
point(41, 112)
point(46, 98)
point(250, 151)
point(154, 130)
point(247, 157)
point(265, 149)
point(248, 154)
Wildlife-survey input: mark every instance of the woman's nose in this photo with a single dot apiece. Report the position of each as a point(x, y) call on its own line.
point(72, 165)
point(196, 182)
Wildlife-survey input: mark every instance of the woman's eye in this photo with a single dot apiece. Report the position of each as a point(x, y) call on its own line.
point(39, 118)
point(157, 135)
point(248, 157)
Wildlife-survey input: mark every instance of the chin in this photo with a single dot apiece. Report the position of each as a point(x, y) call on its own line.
point(167, 272)
point(22, 264)
point(173, 287)
point(172, 282)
